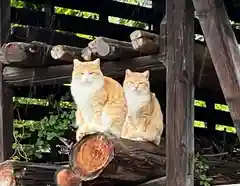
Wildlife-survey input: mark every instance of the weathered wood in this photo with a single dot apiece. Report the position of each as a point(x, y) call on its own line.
point(71, 24)
point(37, 54)
point(180, 93)
point(145, 42)
point(110, 49)
point(66, 53)
point(224, 51)
point(158, 181)
point(62, 74)
point(163, 37)
point(34, 54)
point(66, 177)
point(117, 9)
point(6, 110)
point(116, 159)
point(14, 173)
point(48, 36)
point(38, 112)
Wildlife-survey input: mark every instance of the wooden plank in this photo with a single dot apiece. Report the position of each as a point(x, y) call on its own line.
point(118, 9)
point(71, 23)
point(211, 125)
point(180, 93)
point(62, 74)
point(59, 90)
point(51, 37)
point(6, 110)
point(74, 24)
point(37, 112)
point(218, 32)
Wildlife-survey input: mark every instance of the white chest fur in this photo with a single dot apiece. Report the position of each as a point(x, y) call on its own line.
point(135, 102)
point(83, 97)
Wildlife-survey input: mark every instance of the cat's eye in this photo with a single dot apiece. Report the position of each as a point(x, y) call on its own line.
point(92, 73)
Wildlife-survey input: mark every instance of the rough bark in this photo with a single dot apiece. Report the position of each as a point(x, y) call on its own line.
point(14, 173)
point(65, 53)
point(34, 54)
point(109, 49)
point(62, 74)
point(117, 159)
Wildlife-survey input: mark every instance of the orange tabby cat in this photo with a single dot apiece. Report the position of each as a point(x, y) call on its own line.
point(144, 119)
point(101, 104)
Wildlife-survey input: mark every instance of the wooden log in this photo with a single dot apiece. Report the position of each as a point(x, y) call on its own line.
point(66, 177)
point(180, 93)
point(62, 74)
point(109, 49)
point(145, 42)
point(14, 173)
point(224, 50)
point(6, 109)
point(116, 159)
point(44, 35)
point(150, 43)
point(34, 54)
point(65, 53)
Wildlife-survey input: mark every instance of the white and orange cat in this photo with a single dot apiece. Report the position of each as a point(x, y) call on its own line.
point(144, 121)
point(100, 100)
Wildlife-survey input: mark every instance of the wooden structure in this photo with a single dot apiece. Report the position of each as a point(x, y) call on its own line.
point(37, 57)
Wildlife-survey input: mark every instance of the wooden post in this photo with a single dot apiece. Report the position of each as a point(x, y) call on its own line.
point(6, 109)
point(224, 50)
point(180, 93)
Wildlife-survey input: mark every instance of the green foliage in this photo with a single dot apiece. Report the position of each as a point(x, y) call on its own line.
point(201, 170)
point(33, 138)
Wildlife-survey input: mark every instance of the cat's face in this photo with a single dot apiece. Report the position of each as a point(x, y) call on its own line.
point(136, 82)
point(87, 72)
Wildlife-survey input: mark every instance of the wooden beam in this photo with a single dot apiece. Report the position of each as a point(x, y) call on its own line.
point(6, 109)
point(62, 74)
point(71, 23)
point(59, 90)
point(118, 9)
point(44, 35)
point(180, 93)
point(38, 112)
point(224, 50)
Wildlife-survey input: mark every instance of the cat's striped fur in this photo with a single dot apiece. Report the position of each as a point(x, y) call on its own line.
point(144, 119)
point(100, 100)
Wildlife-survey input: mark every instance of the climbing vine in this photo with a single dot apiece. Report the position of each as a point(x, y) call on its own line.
point(201, 171)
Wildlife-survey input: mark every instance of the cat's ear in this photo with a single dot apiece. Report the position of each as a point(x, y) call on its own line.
point(146, 74)
point(76, 62)
point(128, 72)
point(97, 61)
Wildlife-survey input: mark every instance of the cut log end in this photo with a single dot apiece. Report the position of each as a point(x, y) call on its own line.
point(6, 174)
point(66, 177)
point(57, 52)
point(91, 155)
